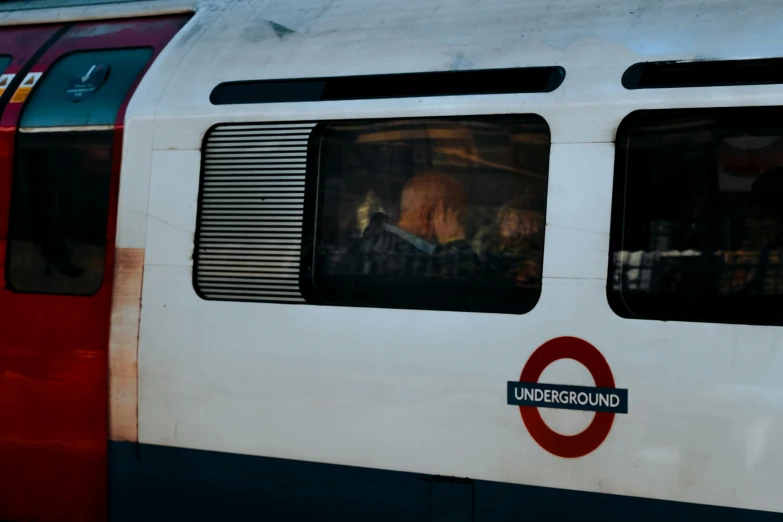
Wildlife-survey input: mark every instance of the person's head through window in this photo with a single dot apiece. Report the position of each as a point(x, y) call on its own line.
point(518, 225)
point(514, 247)
point(430, 207)
point(427, 240)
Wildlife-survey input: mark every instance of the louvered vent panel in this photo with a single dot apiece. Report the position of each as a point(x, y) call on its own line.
point(252, 205)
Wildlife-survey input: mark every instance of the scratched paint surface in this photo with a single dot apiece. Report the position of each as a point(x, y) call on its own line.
point(123, 344)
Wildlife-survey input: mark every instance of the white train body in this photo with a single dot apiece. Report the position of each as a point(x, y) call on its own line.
point(423, 391)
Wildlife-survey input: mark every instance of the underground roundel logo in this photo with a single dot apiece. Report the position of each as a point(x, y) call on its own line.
point(603, 398)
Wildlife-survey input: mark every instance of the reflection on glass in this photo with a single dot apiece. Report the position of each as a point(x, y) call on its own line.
point(701, 231)
point(60, 206)
point(432, 214)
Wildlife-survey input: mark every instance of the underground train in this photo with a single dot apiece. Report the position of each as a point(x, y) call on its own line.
point(420, 260)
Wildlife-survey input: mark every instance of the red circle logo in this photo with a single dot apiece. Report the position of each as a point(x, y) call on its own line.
point(568, 446)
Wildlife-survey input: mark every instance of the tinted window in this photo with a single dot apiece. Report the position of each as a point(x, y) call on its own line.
point(4, 62)
point(59, 212)
point(432, 213)
point(698, 216)
point(85, 88)
point(62, 177)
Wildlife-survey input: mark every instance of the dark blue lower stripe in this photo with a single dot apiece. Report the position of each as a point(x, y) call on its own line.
point(150, 483)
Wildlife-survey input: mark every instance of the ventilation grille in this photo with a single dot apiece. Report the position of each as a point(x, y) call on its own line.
point(251, 212)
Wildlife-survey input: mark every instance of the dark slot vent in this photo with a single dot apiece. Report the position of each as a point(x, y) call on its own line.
point(412, 85)
point(663, 75)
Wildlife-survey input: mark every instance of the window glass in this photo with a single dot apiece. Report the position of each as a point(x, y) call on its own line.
point(85, 88)
point(59, 212)
point(4, 62)
point(444, 214)
point(698, 216)
point(62, 177)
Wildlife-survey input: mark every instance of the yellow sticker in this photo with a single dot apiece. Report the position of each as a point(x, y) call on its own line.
point(5, 80)
point(27, 85)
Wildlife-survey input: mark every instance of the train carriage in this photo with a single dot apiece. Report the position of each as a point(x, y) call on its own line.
point(372, 260)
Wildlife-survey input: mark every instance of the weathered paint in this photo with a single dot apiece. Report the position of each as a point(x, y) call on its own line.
point(124, 343)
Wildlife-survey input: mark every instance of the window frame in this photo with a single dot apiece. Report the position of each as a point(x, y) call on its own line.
point(72, 130)
point(313, 201)
point(616, 299)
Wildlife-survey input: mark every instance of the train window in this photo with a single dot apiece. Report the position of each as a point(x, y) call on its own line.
point(62, 173)
point(697, 226)
point(85, 88)
point(432, 214)
point(58, 218)
point(441, 214)
point(5, 61)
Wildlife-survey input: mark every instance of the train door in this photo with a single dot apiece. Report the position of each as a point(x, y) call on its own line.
point(59, 181)
point(20, 47)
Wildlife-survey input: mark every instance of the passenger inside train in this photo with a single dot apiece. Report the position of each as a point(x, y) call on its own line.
point(428, 238)
point(512, 246)
point(451, 212)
